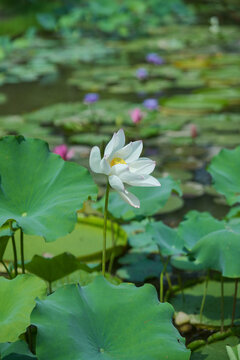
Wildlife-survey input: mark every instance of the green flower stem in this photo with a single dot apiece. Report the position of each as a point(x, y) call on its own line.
point(161, 279)
point(204, 296)
point(222, 304)
point(169, 281)
point(22, 250)
point(114, 240)
point(14, 250)
point(234, 302)
point(6, 268)
point(105, 230)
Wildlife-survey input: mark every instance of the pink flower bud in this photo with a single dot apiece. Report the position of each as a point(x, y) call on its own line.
point(63, 151)
point(193, 131)
point(136, 115)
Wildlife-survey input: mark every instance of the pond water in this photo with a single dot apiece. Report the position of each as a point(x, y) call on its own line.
point(198, 83)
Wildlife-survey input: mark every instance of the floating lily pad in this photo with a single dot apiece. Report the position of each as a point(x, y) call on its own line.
point(17, 302)
point(100, 311)
point(224, 140)
point(218, 122)
point(48, 190)
point(192, 189)
point(85, 242)
point(49, 114)
point(173, 203)
point(198, 102)
point(191, 303)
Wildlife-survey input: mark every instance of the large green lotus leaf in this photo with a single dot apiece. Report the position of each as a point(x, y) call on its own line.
point(166, 238)
point(224, 170)
point(196, 226)
point(151, 199)
point(191, 303)
point(40, 190)
point(138, 267)
point(216, 350)
point(15, 351)
point(108, 322)
point(54, 268)
point(17, 302)
point(85, 242)
point(219, 251)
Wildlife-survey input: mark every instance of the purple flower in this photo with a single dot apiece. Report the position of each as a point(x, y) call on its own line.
point(91, 98)
point(141, 73)
point(150, 104)
point(154, 59)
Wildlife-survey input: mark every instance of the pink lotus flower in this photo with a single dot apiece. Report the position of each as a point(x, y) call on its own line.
point(64, 152)
point(136, 115)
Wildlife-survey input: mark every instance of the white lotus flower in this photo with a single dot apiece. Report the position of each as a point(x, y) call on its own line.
point(123, 165)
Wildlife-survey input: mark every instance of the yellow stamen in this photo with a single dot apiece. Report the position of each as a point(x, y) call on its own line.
point(116, 161)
